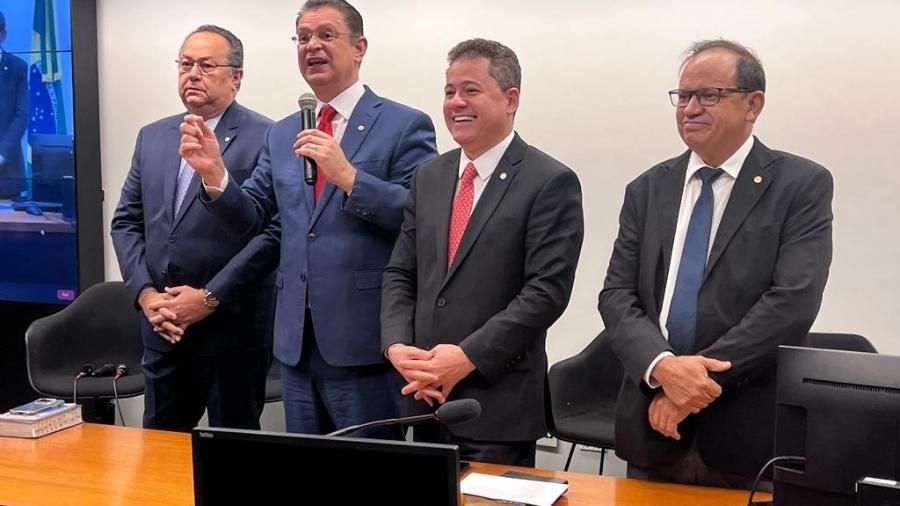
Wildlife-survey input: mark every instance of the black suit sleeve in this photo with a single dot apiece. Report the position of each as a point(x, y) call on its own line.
point(789, 306)
point(398, 298)
point(553, 238)
point(636, 337)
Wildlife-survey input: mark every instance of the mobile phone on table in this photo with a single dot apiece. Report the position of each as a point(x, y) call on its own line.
point(36, 406)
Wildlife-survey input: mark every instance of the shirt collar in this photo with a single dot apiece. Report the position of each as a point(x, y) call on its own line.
point(487, 162)
point(732, 166)
point(212, 122)
point(346, 100)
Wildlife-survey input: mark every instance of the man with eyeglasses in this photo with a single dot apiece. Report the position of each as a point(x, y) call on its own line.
point(722, 256)
point(207, 312)
point(336, 236)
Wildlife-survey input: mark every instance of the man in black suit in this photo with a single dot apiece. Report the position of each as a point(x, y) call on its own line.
point(483, 266)
point(13, 118)
point(722, 255)
point(207, 312)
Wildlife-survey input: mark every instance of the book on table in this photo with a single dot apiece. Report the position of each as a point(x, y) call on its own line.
point(41, 423)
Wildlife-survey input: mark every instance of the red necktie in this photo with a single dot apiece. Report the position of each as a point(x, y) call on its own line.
point(326, 115)
point(462, 208)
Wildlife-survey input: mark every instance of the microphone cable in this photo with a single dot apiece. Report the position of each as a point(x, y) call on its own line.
point(763, 470)
point(121, 370)
point(86, 370)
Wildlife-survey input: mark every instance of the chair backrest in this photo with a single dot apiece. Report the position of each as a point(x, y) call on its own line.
point(101, 326)
point(846, 342)
point(583, 391)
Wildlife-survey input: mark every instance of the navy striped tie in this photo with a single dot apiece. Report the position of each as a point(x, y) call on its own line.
point(682, 320)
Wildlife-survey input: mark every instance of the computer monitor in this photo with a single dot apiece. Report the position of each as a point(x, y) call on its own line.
point(841, 411)
point(234, 466)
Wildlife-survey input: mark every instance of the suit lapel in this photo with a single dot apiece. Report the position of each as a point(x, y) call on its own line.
point(364, 115)
point(752, 182)
point(226, 131)
point(170, 164)
point(441, 205)
point(497, 185)
point(669, 190)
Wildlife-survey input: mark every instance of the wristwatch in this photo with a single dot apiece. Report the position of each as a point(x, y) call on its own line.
point(211, 301)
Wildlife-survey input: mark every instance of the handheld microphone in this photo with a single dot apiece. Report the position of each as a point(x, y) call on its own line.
point(451, 413)
point(104, 370)
point(86, 370)
point(307, 103)
point(121, 370)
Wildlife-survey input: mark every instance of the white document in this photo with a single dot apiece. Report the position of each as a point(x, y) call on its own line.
point(537, 493)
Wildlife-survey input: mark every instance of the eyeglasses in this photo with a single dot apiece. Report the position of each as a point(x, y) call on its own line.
point(326, 36)
point(206, 68)
point(705, 96)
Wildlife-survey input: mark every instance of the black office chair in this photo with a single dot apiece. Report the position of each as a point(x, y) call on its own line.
point(846, 342)
point(582, 398)
point(100, 327)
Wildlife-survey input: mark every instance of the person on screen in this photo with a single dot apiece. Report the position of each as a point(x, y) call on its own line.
point(207, 345)
point(336, 236)
point(722, 255)
point(13, 119)
point(484, 264)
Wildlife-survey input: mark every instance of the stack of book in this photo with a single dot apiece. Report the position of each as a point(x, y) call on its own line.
point(41, 423)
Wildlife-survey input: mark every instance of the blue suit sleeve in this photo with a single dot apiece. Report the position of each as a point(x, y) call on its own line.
point(380, 202)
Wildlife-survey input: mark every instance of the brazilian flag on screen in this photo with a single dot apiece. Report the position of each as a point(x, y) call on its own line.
point(45, 78)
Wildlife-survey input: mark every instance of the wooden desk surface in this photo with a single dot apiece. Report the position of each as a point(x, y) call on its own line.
point(97, 465)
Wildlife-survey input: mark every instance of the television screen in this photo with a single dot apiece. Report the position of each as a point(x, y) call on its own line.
point(38, 222)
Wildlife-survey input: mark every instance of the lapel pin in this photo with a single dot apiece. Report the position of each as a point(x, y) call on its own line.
point(757, 179)
point(227, 139)
point(361, 128)
point(503, 176)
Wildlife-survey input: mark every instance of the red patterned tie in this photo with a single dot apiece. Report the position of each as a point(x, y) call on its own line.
point(462, 208)
point(326, 115)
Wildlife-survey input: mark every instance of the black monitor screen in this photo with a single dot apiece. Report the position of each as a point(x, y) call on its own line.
point(39, 257)
point(841, 411)
point(251, 467)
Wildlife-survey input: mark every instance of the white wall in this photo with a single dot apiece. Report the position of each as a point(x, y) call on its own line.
point(595, 76)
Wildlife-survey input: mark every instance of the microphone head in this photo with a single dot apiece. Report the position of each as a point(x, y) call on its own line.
point(121, 370)
point(458, 412)
point(307, 101)
point(104, 370)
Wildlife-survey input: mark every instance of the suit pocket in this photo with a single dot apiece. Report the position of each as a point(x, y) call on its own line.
point(367, 280)
point(279, 279)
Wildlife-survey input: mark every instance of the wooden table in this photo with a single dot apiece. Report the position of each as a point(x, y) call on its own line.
point(98, 464)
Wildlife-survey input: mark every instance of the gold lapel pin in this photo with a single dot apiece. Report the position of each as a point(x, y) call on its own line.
point(757, 179)
point(503, 176)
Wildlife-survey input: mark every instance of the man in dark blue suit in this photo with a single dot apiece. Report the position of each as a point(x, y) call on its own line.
point(13, 118)
point(336, 237)
point(205, 340)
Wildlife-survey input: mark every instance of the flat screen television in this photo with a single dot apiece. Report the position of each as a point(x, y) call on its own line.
point(234, 466)
point(841, 411)
point(50, 196)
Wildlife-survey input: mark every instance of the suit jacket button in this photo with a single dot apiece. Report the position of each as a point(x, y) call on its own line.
point(441, 302)
point(311, 236)
point(303, 277)
point(171, 238)
point(165, 274)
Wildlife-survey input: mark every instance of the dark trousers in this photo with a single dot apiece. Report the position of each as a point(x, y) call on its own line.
point(689, 469)
point(513, 453)
point(320, 398)
point(180, 385)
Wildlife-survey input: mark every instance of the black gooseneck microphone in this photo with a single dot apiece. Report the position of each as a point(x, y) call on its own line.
point(451, 413)
point(104, 370)
point(307, 103)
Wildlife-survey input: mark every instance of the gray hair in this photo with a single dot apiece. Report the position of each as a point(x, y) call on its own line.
point(749, 70)
point(504, 65)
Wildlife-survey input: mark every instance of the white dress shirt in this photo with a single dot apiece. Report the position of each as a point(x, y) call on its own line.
point(721, 188)
point(484, 166)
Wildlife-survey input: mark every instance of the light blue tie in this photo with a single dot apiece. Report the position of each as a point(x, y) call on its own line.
point(682, 320)
point(185, 173)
